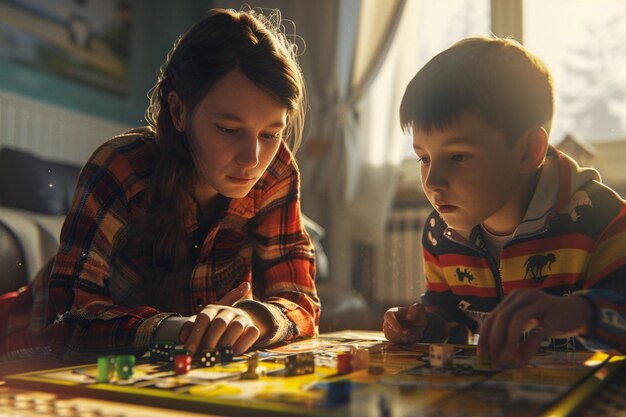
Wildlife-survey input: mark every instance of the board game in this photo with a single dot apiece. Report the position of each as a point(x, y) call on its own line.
point(386, 380)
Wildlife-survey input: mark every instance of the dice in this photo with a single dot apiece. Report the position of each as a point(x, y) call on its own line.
point(226, 353)
point(209, 357)
point(160, 351)
point(300, 364)
point(182, 363)
point(124, 365)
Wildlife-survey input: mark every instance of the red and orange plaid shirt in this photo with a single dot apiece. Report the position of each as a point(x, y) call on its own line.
point(87, 300)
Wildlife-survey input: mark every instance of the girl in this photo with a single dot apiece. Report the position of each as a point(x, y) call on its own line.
point(188, 229)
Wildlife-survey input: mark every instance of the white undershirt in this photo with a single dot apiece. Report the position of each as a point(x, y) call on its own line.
point(495, 243)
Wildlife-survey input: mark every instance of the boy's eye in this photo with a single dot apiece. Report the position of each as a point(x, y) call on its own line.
point(271, 136)
point(460, 157)
point(423, 159)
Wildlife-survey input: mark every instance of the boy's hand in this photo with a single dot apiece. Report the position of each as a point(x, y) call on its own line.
point(221, 324)
point(531, 310)
point(405, 324)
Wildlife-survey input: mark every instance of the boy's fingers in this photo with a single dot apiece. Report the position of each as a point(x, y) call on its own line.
point(391, 334)
point(411, 312)
point(391, 319)
point(501, 326)
point(483, 340)
point(531, 346)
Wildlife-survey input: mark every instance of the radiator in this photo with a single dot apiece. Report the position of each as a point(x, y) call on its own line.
point(400, 277)
point(50, 131)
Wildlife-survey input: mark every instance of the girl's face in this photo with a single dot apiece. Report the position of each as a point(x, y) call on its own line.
point(234, 133)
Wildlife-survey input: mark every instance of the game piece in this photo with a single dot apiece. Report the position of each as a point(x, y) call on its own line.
point(344, 363)
point(160, 351)
point(226, 353)
point(360, 359)
point(376, 369)
point(209, 357)
point(300, 364)
point(253, 363)
point(124, 365)
point(106, 369)
point(441, 355)
point(338, 392)
point(182, 363)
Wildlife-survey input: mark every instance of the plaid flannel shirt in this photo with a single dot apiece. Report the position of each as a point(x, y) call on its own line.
point(86, 300)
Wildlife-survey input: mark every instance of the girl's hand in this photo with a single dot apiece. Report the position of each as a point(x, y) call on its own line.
point(405, 324)
point(222, 324)
point(531, 310)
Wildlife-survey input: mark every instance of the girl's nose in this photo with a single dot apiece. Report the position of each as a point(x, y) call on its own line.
point(248, 155)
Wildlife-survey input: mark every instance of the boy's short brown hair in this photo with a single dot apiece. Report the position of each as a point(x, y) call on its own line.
point(497, 80)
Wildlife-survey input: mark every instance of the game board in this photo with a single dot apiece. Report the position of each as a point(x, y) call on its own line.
point(398, 382)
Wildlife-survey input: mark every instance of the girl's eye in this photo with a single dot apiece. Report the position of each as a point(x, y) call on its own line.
point(226, 130)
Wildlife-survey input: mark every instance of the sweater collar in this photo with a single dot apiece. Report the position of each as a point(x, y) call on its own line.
point(559, 179)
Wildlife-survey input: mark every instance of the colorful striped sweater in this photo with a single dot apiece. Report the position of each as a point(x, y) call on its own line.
point(572, 240)
point(89, 298)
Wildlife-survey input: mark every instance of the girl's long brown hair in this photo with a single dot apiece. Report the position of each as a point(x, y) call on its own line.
point(224, 40)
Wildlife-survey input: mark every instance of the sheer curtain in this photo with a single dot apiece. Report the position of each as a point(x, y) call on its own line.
point(334, 188)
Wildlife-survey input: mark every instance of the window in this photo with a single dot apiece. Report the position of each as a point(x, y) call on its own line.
point(582, 42)
point(427, 28)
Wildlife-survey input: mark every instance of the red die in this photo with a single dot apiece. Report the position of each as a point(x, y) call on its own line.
point(344, 363)
point(182, 363)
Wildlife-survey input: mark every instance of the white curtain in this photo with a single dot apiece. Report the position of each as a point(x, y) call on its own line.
point(339, 189)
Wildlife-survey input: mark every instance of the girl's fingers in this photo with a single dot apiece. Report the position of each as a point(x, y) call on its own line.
point(233, 331)
point(200, 328)
point(217, 328)
point(243, 291)
point(185, 331)
point(246, 340)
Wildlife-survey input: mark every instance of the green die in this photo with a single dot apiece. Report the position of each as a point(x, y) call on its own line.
point(106, 368)
point(124, 366)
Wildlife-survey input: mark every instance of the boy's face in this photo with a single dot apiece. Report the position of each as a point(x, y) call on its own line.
point(471, 175)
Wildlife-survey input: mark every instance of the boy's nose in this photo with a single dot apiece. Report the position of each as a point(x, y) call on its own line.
point(434, 179)
point(248, 154)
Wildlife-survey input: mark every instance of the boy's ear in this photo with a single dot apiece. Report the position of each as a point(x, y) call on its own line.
point(535, 146)
point(178, 111)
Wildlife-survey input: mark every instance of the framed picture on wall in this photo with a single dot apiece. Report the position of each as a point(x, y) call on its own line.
point(84, 40)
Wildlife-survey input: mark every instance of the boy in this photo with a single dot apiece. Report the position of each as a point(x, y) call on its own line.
point(519, 229)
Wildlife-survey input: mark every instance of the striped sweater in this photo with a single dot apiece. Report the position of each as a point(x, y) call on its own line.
point(90, 300)
point(571, 241)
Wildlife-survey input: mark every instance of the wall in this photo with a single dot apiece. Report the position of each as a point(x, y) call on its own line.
point(65, 119)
